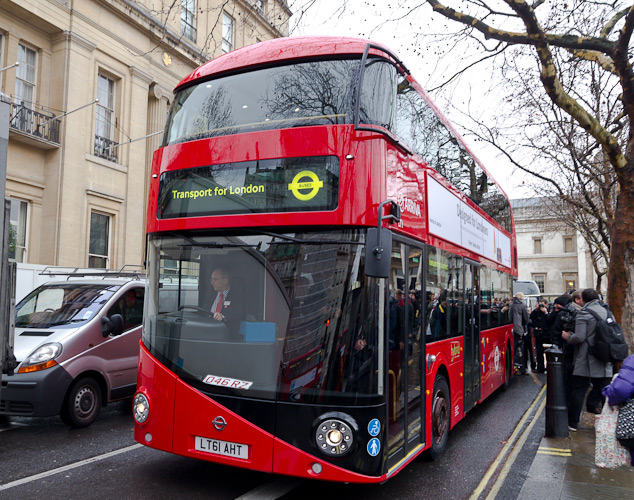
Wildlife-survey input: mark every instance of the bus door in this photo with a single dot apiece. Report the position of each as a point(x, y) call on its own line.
point(472, 361)
point(406, 319)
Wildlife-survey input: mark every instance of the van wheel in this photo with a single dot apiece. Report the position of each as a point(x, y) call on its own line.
point(82, 403)
point(440, 404)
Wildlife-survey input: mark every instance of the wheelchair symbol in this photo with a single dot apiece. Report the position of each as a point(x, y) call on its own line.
point(374, 427)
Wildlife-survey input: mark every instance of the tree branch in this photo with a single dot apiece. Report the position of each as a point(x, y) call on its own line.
point(563, 41)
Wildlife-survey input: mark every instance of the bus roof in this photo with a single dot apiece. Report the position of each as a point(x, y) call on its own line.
point(281, 49)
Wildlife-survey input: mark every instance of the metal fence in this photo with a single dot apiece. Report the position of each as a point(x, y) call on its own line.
point(34, 123)
point(105, 148)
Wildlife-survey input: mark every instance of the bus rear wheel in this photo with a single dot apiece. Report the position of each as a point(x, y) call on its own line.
point(440, 405)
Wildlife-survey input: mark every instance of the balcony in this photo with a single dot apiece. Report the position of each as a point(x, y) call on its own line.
point(105, 148)
point(34, 127)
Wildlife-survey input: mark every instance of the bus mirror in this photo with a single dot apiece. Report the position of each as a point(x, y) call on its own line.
point(377, 253)
point(395, 212)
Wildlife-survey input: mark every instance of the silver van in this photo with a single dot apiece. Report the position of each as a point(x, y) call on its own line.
point(76, 344)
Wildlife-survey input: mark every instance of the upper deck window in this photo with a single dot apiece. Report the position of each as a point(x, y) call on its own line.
point(420, 128)
point(312, 93)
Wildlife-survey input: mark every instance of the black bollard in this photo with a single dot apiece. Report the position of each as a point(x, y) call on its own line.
point(556, 408)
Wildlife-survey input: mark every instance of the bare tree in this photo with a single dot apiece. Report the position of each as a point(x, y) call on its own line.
point(569, 171)
point(552, 37)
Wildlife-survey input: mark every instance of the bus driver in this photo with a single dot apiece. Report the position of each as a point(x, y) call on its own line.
point(227, 306)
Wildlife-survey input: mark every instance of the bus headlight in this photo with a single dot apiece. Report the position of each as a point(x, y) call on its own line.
point(140, 408)
point(334, 437)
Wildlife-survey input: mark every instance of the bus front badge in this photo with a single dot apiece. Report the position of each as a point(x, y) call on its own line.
point(219, 423)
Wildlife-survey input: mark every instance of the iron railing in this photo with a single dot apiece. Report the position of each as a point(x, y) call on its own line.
point(105, 148)
point(34, 123)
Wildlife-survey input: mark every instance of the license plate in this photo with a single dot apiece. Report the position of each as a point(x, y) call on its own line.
point(225, 448)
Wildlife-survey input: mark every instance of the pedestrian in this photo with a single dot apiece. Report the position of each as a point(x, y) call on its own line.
point(519, 316)
point(587, 369)
point(622, 387)
point(541, 333)
point(563, 313)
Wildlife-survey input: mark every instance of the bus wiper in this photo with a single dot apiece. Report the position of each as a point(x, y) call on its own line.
point(291, 239)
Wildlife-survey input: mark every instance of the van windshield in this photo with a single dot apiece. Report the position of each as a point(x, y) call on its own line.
point(61, 304)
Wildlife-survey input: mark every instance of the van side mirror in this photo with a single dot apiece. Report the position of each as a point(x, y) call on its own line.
point(112, 325)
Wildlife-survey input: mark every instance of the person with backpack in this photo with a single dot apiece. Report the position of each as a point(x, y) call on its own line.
point(587, 368)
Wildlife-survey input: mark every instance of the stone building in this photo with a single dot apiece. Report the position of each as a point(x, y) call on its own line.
point(93, 86)
point(549, 252)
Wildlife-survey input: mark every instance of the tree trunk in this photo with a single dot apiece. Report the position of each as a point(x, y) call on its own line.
point(621, 271)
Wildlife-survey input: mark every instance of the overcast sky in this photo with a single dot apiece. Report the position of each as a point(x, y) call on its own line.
point(382, 21)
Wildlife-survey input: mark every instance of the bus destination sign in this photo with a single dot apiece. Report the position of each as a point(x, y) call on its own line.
point(276, 185)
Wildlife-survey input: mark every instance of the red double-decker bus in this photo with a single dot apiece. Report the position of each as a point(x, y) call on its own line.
point(329, 267)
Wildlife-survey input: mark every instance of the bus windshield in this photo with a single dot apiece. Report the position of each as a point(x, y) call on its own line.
point(271, 316)
point(297, 95)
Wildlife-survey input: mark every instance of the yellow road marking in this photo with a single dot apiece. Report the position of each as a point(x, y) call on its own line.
point(555, 453)
point(487, 477)
point(516, 449)
point(546, 448)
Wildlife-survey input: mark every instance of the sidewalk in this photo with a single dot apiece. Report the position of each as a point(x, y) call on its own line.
point(564, 468)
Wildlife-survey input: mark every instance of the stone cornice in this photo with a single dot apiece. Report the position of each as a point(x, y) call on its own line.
point(137, 73)
point(76, 39)
point(104, 196)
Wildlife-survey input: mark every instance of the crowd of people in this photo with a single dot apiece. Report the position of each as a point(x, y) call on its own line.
point(569, 324)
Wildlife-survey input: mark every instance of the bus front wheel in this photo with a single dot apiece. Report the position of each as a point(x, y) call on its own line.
point(440, 405)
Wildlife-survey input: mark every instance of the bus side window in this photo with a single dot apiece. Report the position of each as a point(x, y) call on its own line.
point(486, 299)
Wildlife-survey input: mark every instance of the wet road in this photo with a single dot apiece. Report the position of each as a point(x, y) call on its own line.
point(42, 458)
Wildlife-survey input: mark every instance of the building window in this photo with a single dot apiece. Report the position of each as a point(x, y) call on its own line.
point(25, 76)
point(259, 6)
point(570, 282)
point(540, 279)
point(105, 145)
point(227, 33)
point(17, 231)
point(99, 249)
point(569, 244)
point(537, 245)
point(188, 19)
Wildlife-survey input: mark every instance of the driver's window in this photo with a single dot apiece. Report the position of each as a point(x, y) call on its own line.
point(130, 307)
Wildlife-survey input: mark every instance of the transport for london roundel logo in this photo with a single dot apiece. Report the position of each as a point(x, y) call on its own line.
point(303, 181)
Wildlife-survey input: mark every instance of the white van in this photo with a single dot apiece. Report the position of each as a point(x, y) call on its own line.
point(76, 344)
point(531, 292)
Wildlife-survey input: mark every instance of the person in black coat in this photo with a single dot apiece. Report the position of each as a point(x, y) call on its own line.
point(541, 332)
